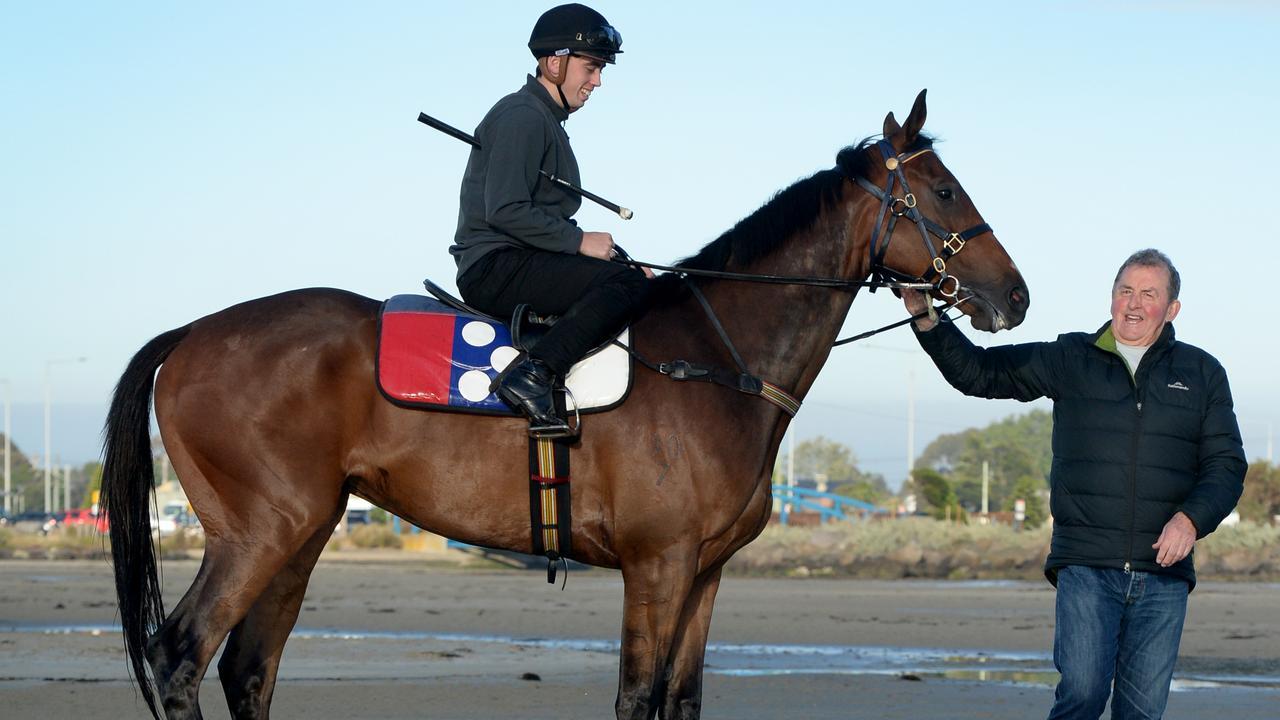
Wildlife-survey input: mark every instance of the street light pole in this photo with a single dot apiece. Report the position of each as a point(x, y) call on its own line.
point(48, 425)
point(8, 429)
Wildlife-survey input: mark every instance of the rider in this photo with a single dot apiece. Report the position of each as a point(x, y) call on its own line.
point(517, 241)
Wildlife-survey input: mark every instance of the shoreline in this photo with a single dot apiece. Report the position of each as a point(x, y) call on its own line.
point(389, 639)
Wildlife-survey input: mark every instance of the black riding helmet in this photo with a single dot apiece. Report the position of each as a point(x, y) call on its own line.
point(574, 29)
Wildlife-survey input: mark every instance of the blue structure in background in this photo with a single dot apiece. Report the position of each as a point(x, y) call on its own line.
point(828, 505)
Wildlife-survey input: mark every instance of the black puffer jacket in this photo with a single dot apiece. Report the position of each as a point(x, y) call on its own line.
point(1128, 452)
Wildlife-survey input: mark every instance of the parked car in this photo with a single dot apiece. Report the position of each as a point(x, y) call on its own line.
point(85, 519)
point(35, 522)
point(174, 517)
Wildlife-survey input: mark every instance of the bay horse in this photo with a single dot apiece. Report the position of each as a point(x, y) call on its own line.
point(270, 414)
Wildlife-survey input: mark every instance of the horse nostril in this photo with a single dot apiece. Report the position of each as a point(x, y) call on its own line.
point(1018, 299)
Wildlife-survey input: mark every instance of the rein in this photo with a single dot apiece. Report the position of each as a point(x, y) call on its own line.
point(891, 208)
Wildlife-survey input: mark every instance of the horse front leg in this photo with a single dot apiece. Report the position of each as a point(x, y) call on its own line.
point(655, 591)
point(683, 697)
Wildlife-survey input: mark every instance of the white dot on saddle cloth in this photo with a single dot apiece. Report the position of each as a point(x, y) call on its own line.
point(502, 357)
point(474, 385)
point(478, 334)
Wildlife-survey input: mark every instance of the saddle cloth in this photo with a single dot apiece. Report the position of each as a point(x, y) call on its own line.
point(435, 357)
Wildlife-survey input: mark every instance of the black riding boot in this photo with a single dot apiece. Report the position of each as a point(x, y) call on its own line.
point(527, 387)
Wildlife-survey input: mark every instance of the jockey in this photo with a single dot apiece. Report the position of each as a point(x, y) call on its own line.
point(517, 242)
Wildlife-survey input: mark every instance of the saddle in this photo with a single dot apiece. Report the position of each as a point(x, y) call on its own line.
point(441, 354)
point(438, 353)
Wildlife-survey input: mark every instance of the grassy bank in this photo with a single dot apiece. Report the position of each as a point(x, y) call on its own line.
point(925, 548)
point(914, 548)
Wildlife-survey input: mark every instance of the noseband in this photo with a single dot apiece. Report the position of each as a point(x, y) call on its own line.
point(893, 207)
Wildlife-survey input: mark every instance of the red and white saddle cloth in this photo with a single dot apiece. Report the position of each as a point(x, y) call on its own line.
point(436, 357)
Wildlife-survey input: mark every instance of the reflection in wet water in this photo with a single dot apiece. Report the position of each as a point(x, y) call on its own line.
point(747, 660)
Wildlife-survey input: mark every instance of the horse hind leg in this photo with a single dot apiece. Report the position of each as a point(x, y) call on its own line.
point(180, 650)
point(251, 658)
point(231, 578)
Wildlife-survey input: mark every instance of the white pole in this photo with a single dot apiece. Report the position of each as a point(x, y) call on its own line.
point(66, 487)
point(48, 442)
point(1269, 446)
point(8, 430)
point(48, 456)
point(791, 464)
point(911, 420)
point(985, 480)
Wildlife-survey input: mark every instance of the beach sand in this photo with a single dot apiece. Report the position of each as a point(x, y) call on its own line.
point(387, 635)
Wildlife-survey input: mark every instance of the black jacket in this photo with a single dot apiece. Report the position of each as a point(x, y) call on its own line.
point(1128, 451)
point(504, 202)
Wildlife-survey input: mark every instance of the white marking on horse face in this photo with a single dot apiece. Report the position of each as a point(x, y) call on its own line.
point(478, 334)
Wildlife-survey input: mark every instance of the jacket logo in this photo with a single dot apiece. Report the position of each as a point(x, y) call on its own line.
point(1177, 385)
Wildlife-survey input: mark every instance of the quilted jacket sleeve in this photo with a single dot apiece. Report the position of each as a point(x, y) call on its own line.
point(1222, 466)
point(1021, 372)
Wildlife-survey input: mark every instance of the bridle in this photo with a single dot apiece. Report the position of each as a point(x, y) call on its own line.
point(892, 207)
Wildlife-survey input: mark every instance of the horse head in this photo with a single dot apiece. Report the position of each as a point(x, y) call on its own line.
point(967, 266)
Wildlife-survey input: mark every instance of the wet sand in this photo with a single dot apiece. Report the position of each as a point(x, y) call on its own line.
point(390, 636)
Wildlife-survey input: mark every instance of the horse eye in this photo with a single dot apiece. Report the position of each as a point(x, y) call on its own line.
point(944, 194)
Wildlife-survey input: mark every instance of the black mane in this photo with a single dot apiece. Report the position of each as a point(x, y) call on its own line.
point(791, 210)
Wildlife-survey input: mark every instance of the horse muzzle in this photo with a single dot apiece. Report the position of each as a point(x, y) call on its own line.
point(994, 310)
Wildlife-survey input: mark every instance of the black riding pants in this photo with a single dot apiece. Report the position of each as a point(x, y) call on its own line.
point(595, 299)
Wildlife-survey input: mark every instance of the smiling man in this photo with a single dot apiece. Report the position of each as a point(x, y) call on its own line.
point(1147, 459)
point(517, 242)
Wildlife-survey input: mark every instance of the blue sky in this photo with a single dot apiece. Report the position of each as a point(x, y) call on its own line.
point(163, 161)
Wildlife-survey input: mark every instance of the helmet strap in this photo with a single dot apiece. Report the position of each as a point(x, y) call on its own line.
point(557, 79)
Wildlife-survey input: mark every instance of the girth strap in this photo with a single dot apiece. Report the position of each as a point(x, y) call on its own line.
point(549, 506)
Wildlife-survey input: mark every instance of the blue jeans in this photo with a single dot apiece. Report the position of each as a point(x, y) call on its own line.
point(1121, 626)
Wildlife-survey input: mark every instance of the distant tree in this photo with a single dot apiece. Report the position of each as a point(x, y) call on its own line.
point(1261, 499)
point(26, 481)
point(1029, 490)
point(937, 496)
point(1015, 447)
point(92, 473)
point(822, 456)
point(873, 490)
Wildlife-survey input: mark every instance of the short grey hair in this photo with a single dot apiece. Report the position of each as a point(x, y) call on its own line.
point(1153, 258)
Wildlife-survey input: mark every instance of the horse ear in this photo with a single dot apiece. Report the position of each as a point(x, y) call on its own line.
point(915, 121)
point(891, 125)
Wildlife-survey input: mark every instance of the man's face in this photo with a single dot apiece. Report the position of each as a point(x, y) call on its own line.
point(1140, 305)
point(583, 76)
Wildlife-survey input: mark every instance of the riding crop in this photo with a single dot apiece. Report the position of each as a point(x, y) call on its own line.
point(624, 213)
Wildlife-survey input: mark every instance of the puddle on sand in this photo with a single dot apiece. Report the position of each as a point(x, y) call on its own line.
point(748, 660)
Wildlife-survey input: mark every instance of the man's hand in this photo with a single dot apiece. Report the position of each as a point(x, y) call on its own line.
point(597, 245)
point(600, 245)
point(917, 302)
point(1176, 540)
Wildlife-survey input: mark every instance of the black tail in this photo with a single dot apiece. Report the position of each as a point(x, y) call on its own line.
point(127, 478)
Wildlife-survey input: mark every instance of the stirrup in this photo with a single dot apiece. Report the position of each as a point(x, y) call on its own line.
point(565, 430)
point(551, 432)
